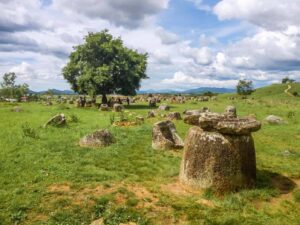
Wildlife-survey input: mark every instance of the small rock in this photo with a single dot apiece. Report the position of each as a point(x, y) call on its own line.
point(174, 116)
point(139, 119)
point(151, 114)
point(287, 153)
point(164, 108)
point(104, 107)
point(275, 120)
point(230, 111)
point(101, 138)
point(205, 109)
point(152, 102)
point(192, 119)
point(192, 112)
point(48, 103)
point(17, 109)
point(98, 222)
point(118, 107)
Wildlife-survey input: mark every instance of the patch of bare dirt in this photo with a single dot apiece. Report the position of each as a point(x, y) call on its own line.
point(59, 188)
point(36, 217)
point(206, 202)
point(147, 199)
point(98, 222)
point(179, 189)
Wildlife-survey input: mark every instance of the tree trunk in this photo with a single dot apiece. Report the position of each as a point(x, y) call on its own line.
point(104, 99)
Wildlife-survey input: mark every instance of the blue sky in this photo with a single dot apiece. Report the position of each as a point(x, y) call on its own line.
point(191, 43)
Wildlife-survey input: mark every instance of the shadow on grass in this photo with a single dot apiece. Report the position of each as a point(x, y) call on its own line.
point(270, 180)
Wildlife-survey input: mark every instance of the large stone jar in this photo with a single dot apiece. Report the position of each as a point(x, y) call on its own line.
point(219, 153)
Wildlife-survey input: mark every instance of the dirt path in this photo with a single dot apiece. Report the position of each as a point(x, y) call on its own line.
point(287, 90)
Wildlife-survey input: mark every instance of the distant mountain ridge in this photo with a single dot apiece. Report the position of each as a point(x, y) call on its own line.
point(199, 90)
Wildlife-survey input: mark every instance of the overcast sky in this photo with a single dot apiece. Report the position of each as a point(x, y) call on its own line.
point(191, 43)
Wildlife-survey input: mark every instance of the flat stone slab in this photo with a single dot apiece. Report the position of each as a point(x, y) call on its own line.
point(225, 124)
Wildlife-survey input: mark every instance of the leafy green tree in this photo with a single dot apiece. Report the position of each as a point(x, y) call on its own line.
point(287, 80)
point(10, 89)
point(245, 87)
point(21, 90)
point(49, 92)
point(8, 84)
point(103, 65)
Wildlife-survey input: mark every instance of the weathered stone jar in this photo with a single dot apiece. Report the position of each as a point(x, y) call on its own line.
point(165, 137)
point(219, 153)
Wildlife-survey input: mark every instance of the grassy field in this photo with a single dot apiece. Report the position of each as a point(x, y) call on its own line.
point(46, 178)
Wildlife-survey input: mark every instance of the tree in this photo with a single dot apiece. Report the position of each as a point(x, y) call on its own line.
point(49, 92)
point(103, 65)
point(10, 89)
point(244, 87)
point(287, 80)
point(8, 84)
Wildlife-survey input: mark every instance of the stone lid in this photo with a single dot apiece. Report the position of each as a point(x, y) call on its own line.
point(227, 124)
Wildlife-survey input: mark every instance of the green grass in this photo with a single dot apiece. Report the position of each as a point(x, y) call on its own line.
point(124, 181)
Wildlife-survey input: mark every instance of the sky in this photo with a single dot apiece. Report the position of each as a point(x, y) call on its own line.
point(191, 43)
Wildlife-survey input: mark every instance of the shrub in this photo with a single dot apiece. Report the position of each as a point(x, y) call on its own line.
point(101, 206)
point(245, 87)
point(74, 118)
point(28, 131)
point(291, 114)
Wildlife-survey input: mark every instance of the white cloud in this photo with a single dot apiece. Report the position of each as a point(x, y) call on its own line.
point(24, 71)
point(270, 14)
point(129, 13)
point(167, 38)
point(180, 80)
point(201, 56)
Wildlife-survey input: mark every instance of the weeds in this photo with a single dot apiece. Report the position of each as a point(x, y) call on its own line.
point(28, 131)
point(112, 119)
point(73, 118)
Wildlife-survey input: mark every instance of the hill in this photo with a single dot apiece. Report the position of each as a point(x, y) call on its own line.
point(276, 90)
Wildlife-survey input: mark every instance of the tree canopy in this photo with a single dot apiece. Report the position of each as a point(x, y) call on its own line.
point(244, 87)
point(287, 80)
point(103, 65)
point(9, 89)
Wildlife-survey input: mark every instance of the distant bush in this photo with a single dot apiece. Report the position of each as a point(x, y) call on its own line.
point(287, 80)
point(245, 87)
point(295, 93)
point(209, 93)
